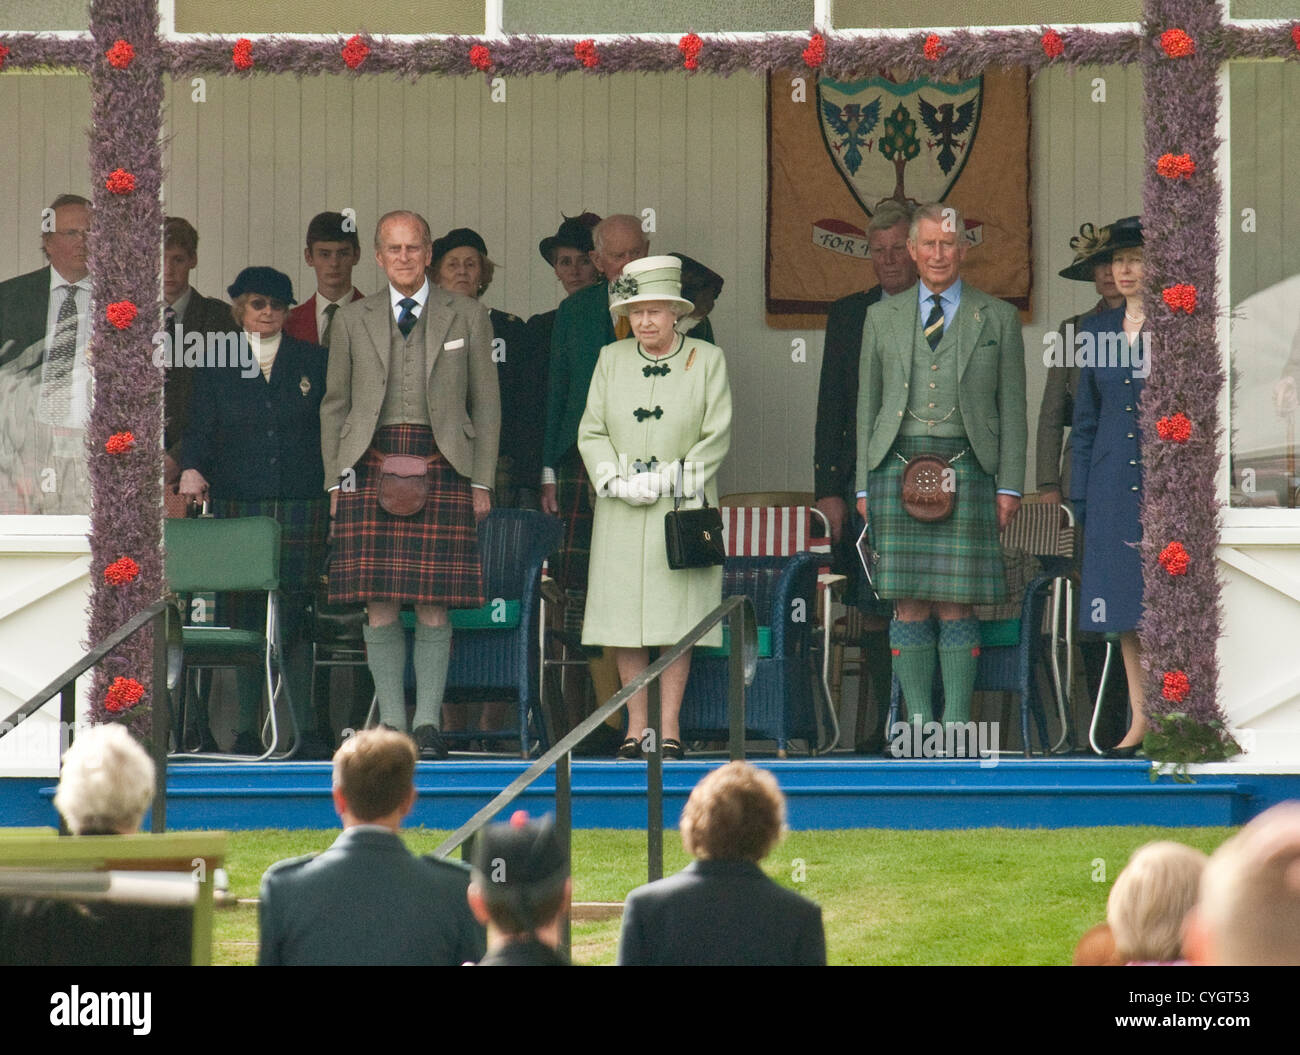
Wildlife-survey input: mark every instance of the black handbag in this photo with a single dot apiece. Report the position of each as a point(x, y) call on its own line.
point(694, 536)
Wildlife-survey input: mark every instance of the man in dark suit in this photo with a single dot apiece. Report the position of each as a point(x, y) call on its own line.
point(333, 250)
point(367, 900)
point(942, 374)
point(410, 375)
point(722, 910)
point(835, 452)
point(44, 374)
point(194, 313)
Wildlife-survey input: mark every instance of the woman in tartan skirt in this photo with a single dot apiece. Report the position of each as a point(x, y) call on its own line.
point(252, 446)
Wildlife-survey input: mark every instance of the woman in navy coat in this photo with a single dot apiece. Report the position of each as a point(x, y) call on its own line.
point(252, 445)
point(1106, 470)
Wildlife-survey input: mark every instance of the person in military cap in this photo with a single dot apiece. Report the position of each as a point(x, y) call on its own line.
point(520, 892)
point(368, 900)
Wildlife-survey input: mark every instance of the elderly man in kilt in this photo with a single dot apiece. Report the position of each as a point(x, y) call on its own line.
point(410, 374)
point(942, 373)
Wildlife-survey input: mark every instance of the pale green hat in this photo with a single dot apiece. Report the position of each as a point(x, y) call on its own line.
point(650, 278)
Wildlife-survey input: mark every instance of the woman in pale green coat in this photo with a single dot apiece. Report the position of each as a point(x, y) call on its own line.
point(658, 423)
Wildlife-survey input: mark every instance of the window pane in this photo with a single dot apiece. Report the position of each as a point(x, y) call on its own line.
point(1265, 281)
point(654, 16)
point(922, 14)
point(329, 16)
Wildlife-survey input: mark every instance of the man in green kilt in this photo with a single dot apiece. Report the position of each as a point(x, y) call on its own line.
point(942, 373)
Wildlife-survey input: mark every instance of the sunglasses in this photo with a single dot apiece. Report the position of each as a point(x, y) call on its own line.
point(261, 303)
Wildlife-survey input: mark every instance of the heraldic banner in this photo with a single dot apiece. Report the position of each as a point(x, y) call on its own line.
point(837, 150)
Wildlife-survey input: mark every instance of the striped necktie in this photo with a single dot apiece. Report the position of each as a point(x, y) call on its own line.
point(934, 324)
point(56, 394)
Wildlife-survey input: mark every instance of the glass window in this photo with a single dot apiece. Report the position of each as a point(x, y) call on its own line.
point(1265, 282)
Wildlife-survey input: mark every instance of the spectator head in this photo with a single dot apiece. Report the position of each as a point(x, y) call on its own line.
point(568, 252)
point(1150, 901)
point(618, 240)
point(460, 263)
point(260, 299)
point(736, 813)
point(887, 239)
point(107, 782)
point(520, 880)
point(1096, 948)
point(937, 242)
point(1249, 908)
point(374, 777)
point(180, 256)
point(65, 245)
point(333, 250)
point(701, 285)
point(403, 248)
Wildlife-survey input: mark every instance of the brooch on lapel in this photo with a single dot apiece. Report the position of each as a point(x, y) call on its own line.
point(641, 413)
point(690, 359)
point(304, 386)
point(977, 315)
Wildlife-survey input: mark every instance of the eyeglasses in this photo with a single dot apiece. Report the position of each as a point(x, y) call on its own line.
point(261, 304)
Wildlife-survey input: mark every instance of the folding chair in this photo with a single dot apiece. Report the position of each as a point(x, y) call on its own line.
point(782, 524)
point(231, 556)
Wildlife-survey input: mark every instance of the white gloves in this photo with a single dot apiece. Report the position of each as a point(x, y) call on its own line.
point(637, 491)
point(643, 489)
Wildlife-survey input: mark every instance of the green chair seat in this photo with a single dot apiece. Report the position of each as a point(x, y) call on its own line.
point(495, 615)
point(1000, 633)
point(764, 644)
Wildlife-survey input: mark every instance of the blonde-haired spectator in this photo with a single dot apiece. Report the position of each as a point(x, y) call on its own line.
point(1150, 900)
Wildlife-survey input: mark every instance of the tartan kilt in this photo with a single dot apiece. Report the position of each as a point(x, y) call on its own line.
point(429, 558)
point(303, 526)
point(573, 493)
point(958, 560)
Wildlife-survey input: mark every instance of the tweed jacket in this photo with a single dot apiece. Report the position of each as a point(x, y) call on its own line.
point(464, 398)
point(991, 381)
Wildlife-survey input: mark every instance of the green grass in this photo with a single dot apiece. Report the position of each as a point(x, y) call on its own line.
point(985, 896)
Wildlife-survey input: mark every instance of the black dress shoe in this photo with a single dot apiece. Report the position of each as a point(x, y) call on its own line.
point(629, 749)
point(673, 750)
point(1123, 752)
point(431, 745)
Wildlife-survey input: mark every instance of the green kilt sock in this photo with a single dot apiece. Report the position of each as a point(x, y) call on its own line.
point(432, 658)
point(959, 658)
point(386, 658)
point(912, 645)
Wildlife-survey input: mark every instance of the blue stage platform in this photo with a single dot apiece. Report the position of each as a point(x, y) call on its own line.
point(834, 792)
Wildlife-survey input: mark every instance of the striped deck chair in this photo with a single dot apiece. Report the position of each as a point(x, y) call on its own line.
point(782, 524)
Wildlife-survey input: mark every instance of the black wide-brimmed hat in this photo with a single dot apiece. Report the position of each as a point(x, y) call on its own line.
point(264, 280)
point(575, 231)
point(1092, 246)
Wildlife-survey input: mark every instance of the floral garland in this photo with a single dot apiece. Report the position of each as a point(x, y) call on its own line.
point(1179, 45)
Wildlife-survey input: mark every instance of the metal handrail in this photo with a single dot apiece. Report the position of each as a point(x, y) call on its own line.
point(65, 685)
point(743, 661)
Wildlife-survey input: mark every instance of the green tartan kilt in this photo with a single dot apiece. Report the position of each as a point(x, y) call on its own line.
point(958, 560)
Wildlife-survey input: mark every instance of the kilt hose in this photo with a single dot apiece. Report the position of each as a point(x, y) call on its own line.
point(958, 560)
point(303, 526)
point(429, 558)
point(573, 494)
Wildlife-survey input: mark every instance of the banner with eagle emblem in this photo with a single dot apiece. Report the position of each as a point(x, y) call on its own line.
point(837, 149)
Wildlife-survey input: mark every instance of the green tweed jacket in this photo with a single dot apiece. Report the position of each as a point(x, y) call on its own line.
point(991, 386)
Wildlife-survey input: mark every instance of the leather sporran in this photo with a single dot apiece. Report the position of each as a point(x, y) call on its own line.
point(694, 537)
point(403, 484)
point(929, 488)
